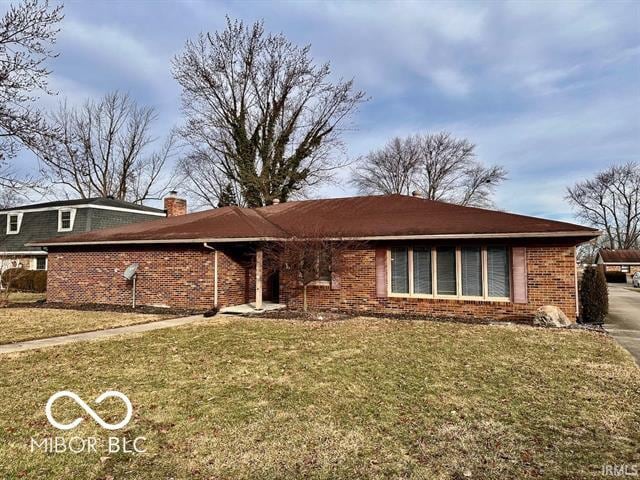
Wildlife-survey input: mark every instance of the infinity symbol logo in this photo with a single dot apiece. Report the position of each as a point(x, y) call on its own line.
point(88, 409)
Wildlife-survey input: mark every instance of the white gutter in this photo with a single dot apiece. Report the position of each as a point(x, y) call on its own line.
point(24, 252)
point(151, 242)
point(619, 263)
point(579, 233)
point(215, 273)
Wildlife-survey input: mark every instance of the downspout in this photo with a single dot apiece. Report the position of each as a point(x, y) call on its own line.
point(575, 274)
point(215, 273)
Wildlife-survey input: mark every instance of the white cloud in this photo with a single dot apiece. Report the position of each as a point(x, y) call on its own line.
point(117, 49)
point(450, 81)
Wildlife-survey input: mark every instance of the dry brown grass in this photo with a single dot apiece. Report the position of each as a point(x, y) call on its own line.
point(365, 398)
point(19, 324)
point(26, 297)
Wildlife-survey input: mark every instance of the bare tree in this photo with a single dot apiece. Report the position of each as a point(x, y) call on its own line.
point(205, 182)
point(103, 150)
point(391, 169)
point(439, 166)
point(260, 111)
point(611, 202)
point(308, 259)
point(11, 272)
point(27, 33)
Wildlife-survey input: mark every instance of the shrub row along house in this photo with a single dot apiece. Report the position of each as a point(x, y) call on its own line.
point(407, 255)
point(20, 226)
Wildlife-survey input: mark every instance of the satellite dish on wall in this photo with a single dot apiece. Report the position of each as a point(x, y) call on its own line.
point(130, 271)
point(130, 274)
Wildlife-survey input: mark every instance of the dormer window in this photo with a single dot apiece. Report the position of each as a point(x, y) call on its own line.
point(14, 220)
point(65, 220)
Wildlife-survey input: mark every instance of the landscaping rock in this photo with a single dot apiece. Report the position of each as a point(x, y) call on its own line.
point(550, 316)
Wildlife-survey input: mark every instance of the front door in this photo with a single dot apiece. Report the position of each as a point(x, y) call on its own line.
point(274, 287)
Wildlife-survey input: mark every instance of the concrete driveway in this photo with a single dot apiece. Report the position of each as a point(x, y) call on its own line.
point(623, 321)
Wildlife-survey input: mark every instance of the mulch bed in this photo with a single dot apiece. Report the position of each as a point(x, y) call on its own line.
point(337, 315)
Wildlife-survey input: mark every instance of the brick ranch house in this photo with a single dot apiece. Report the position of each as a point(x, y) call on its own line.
point(410, 255)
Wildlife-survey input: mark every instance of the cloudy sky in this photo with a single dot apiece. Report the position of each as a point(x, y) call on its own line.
point(550, 90)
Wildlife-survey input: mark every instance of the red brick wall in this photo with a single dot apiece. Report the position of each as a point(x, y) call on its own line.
point(550, 281)
point(177, 276)
point(182, 276)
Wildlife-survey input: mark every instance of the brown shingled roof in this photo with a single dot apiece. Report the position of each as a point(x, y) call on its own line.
point(620, 256)
point(353, 217)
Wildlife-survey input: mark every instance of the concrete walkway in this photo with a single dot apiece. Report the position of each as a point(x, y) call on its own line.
point(623, 321)
point(97, 334)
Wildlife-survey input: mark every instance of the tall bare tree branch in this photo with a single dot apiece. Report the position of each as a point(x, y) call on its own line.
point(438, 166)
point(611, 202)
point(103, 149)
point(28, 32)
point(260, 111)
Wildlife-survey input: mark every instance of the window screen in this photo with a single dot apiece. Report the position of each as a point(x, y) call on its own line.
point(446, 266)
point(399, 270)
point(498, 271)
point(472, 272)
point(422, 270)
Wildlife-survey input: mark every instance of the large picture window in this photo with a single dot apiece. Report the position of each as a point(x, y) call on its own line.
point(471, 272)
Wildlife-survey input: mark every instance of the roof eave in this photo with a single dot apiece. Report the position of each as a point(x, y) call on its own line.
point(568, 234)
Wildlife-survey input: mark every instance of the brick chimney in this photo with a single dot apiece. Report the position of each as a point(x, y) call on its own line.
point(173, 205)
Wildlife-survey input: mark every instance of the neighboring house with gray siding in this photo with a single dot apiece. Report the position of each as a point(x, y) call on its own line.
point(32, 223)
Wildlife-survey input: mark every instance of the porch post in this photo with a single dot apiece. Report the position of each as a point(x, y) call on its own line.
point(258, 279)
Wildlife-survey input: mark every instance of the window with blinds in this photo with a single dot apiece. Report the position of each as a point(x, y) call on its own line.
point(446, 270)
point(471, 270)
point(498, 271)
point(399, 270)
point(422, 271)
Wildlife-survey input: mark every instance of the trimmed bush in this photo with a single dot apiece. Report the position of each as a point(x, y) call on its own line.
point(594, 296)
point(22, 280)
point(616, 277)
point(40, 281)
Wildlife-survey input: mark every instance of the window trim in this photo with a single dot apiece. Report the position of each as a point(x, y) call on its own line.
point(72, 218)
point(434, 277)
point(46, 263)
point(18, 215)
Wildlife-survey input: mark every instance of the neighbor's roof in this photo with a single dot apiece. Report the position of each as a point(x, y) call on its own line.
point(100, 201)
point(620, 256)
point(370, 217)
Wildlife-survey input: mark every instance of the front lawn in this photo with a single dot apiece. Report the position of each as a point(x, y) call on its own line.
point(19, 324)
point(241, 398)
